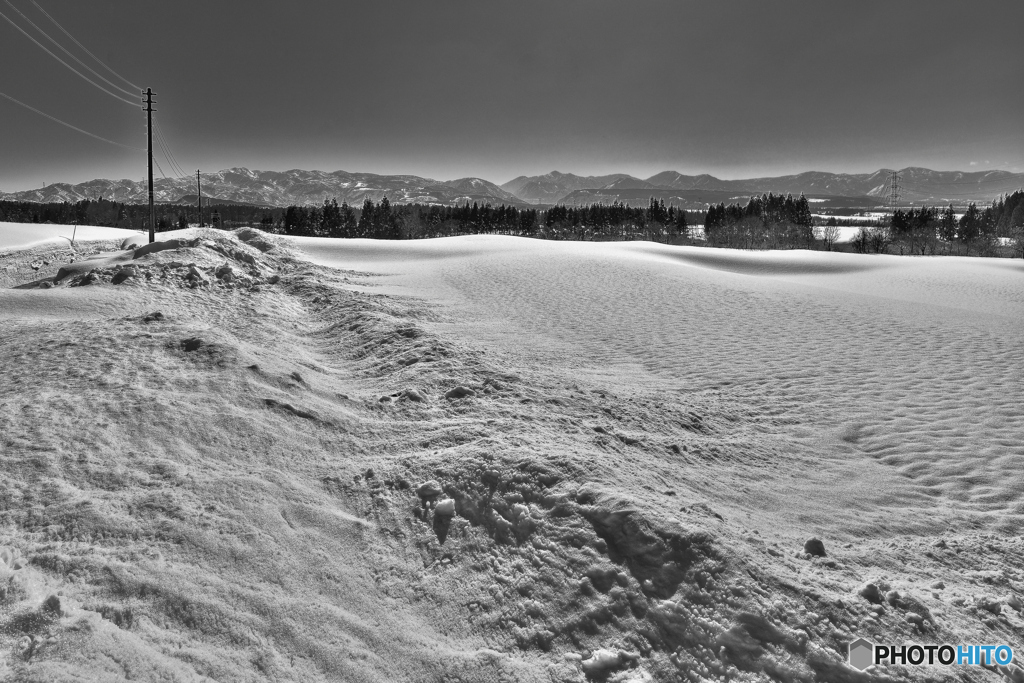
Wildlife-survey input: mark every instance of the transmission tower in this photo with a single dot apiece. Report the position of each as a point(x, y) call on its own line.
point(894, 190)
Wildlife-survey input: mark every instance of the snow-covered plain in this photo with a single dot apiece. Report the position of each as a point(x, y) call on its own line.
point(900, 376)
point(636, 441)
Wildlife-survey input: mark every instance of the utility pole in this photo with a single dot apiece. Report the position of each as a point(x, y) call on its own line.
point(199, 189)
point(149, 120)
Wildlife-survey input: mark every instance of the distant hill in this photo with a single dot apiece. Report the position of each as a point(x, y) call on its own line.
point(284, 188)
point(686, 199)
point(630, 183)
point(280, 188)
point(919, 186)
point(678, 181)
point(701, 199)
point(477, 187)
point(551, 187)
point(811, 182)
point(211, 201)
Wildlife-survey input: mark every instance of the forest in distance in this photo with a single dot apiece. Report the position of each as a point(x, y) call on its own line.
point(766, 221)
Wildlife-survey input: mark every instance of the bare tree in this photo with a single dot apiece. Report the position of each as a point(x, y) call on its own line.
point(828, 234)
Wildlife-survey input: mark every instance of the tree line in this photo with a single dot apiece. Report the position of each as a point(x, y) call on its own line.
point(930, 230)
point(105, 212)
point(770, 221)
point(384, 220)
point(767, 221)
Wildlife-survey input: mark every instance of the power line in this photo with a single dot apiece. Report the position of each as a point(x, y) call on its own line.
point(165, 147)
point(175, 169)
point(973, 193)
point(160, 169)
point(67, 52)
point(175, 166)
point(968, 183)
point(86, 50)
point(63, 123)
point(49, 52)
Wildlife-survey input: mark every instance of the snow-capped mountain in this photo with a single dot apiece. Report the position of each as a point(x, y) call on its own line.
point(284, 188)
point(551, 187)
point(473, 187)
point(279, 188)
point(918, 185)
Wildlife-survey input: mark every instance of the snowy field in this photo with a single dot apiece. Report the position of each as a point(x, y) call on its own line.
point(235, 457)
point(22, 235)
point(902, 374)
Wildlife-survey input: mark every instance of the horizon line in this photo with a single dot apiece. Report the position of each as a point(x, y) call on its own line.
point(697, 175)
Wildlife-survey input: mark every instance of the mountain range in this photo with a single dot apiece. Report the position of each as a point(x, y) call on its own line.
point(284, 188)
point(918, 185)
point(278, 188)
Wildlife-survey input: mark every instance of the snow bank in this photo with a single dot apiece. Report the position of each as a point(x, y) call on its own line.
point(27, 235)
point(24, 235)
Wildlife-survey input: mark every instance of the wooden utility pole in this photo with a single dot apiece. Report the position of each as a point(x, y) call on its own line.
point(199, 190)
point(149, 120)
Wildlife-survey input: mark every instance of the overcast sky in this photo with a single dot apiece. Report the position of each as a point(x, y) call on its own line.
point(499, 88)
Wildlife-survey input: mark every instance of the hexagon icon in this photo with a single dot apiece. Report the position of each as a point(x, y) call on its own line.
point(861, 654)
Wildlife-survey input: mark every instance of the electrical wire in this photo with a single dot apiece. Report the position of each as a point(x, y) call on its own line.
point(159, 168)
point(163, 148)
point(47, 15)
point(163, 143)
point(68, 53)
point(80, 74)
point(982, 181)
point(174, 165)
point(946, 194)
point(167, 152)
point(168, 156)
point(1006, 182)
point(63, 123)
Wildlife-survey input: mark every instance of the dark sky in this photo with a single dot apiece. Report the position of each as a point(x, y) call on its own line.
point(499, 88)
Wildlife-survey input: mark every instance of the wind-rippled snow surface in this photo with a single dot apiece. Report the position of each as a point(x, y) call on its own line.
point(906, 372)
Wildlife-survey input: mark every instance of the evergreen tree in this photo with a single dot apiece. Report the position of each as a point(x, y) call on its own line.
point(1016, 229)
point(805, 220)
point(948, 225)
point(367, 221)
point(970, 227)
point(1017, 219)
point(386, 222)
point(987, 223)
point(349, 225)
point(680, 222)
point(330, 219)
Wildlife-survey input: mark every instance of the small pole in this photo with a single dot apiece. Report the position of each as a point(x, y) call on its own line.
point(199, 189)
point(149, 120)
